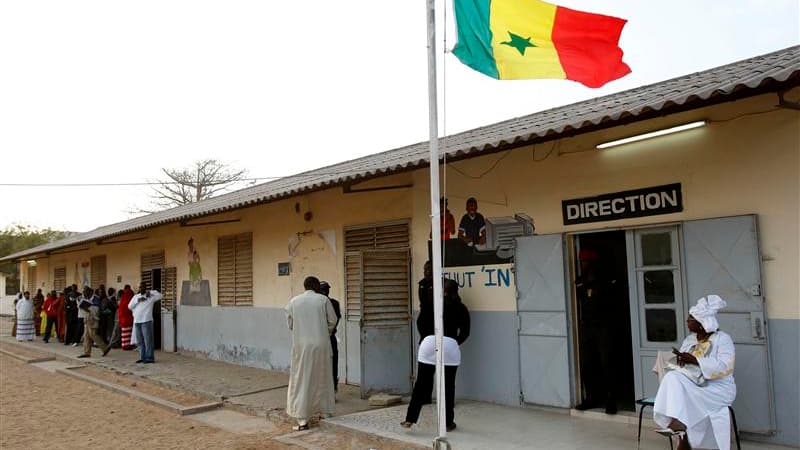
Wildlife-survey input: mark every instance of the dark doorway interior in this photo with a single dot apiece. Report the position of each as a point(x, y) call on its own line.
point(157, 310)
point(604, 325)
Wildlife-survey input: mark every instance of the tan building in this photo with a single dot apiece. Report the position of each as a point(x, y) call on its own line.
point(713, 209)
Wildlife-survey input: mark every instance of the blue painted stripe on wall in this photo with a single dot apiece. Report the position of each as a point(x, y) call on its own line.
point(784, 335)
point(258, 337)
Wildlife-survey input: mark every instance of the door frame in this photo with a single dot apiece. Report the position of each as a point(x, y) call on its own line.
point(571, 273)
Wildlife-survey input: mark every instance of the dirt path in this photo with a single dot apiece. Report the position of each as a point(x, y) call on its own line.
point(43, 410)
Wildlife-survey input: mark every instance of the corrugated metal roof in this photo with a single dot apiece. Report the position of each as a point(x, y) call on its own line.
point(770, 72)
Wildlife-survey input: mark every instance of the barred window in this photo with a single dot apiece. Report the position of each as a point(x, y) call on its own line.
point(235, 270)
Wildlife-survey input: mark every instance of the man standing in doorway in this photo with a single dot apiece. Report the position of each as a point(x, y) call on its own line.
point(472, 228)
point(325, 289)
point(311, 319)
point(142, 307)
point(595, 302)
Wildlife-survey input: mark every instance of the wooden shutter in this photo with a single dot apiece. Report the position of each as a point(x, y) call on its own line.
point(361, 239)
point(60, 278)
point(31, 280)
point(352, 267)
point(147, 278)
point(152, 260)
point(385, 287)
point(244, 269)
point(235, 270)
point(169, 281)
point(226, 271)
point(98, 268)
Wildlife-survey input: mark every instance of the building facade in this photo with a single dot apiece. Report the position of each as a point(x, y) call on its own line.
point(710, 210)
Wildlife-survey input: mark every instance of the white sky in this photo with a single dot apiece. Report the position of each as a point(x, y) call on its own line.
point(111, 91)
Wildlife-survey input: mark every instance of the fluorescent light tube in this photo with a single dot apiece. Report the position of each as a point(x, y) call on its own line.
point(652, 134)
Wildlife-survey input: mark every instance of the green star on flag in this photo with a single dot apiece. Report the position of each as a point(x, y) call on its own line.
point(518, 42)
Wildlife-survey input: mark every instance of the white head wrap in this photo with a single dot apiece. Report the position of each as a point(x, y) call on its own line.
point(705, 312)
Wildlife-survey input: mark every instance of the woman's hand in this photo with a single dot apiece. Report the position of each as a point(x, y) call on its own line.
point(686, 358)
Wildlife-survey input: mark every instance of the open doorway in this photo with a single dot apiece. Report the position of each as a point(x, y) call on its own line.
point(604, 339)
point(152, 277)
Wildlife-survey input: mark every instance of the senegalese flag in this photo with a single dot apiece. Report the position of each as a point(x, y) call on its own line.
point(524, 39)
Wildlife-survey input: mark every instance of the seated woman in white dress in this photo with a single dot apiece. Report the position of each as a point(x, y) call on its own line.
point(693, 400)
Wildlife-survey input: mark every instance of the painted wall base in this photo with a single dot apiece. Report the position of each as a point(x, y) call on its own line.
point(258, 337)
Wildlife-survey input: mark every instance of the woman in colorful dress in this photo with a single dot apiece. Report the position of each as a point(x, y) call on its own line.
point(125, 317)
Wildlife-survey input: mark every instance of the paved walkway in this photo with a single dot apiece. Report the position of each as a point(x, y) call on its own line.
point(488, 426)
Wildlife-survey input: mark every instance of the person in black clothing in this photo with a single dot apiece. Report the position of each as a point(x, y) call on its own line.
point(456, 330)
point(325, 289)
point(72, 335)
point(595, 292)
point(425, 317)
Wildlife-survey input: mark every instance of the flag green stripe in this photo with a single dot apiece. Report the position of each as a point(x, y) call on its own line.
point(474, 47)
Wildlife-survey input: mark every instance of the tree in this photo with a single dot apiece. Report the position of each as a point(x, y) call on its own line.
point(16, 238)
point(202, 180)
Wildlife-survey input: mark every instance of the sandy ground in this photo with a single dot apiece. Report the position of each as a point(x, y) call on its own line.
point(43, 410)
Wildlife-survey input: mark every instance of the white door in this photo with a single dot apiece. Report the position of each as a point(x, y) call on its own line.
point(657, 304)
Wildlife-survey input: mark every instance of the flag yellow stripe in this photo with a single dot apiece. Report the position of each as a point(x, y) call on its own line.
point(532, 19)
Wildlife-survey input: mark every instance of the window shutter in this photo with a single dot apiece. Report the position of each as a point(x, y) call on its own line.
point(362, 239)
point(226, 271)
point(60, 278)
point(244, 269)
point(31, 279)
point(152, 260)
point(170, 282)
point(98, 268)
point(352, 267)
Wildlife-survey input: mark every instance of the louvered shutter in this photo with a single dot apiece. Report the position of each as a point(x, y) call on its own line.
point(226, 270)
point(235, 270)
point(169, 285)
point(364, 238)
point(152, 260)
point(31, 279)
point(244, 269)
point(385, 283)
point(352, 266)
point(60, 278)
point(98, 268)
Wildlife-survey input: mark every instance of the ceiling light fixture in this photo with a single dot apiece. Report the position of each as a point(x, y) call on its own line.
point(652, 134)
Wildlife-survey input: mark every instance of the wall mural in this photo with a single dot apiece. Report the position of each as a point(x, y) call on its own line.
point(195, 291)
point(478, 240)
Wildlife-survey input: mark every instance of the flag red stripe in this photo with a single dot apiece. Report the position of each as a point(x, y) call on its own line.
point(588, 46)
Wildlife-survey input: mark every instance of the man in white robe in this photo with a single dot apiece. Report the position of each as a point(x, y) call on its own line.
point(311, 319)
point(699, 410)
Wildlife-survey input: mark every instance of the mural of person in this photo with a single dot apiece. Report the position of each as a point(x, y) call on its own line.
point(472, 228)
point(195, 270)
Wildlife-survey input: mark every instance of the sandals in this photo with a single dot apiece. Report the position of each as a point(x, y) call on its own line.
point(669, 432)
point(300, 427)
point(406, 424)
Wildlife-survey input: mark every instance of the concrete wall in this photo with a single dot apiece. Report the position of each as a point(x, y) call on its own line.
point(784, 337)
point(256, 337)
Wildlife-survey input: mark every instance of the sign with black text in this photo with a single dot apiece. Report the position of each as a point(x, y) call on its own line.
point(650, 201)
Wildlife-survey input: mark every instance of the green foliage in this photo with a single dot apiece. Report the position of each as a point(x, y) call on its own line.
point(16, 238)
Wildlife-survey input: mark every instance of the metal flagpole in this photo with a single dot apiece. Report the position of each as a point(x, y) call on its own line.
point(436, 230)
